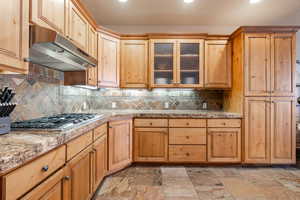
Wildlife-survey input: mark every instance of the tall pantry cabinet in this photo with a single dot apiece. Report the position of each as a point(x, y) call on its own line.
point(264, 92)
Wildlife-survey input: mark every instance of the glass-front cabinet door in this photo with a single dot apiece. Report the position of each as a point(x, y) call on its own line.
point(190, 62)
point(176, 63)
point(163, 63)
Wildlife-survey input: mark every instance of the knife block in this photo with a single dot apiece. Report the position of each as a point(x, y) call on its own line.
point(5, 124)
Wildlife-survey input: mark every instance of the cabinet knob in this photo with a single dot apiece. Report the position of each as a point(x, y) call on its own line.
point(151, 123)
point(187, 123)
point(187, 137)
point(187, 154)
point(224, 123)
point(67, 178)
point(45, 168)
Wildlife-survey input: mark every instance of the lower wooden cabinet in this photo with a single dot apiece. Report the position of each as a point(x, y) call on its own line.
point(270, 127)
point(120, 144)
point(224, 145)
point(54, 188)
point(151, 144)
point(187, 153)
point(80, 169)
point(283, 130)
point(99, 161)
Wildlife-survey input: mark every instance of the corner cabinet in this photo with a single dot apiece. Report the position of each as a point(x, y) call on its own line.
point(108, 61)
point(14, 38)
point(119, 144)
point(217, 64)
point(176, 63)
point(134, 63)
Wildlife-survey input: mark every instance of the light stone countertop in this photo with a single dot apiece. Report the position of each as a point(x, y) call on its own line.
point(19, 147)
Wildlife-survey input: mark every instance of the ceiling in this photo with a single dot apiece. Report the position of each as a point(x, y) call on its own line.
point(200, 13)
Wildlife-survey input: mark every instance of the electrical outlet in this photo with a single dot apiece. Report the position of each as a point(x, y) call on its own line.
point(204, 105)
point(84, 106)
point(167, 105)
point(113, 105)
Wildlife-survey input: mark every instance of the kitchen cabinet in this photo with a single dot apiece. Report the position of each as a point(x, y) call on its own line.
point(176, 63)
point(120, 144)
point(88, 77)
point(108, 61)
point(80, 170)
point(93, 42)
point(78, 27)
point(270, 64)
point(224, 145)
point(283, 64)
point(54, 188)
point(49, 13)
point(14, 39)
point(99, 161)
point(217, 64)
point(187, 153)
point(283, 131)
point(257, 130)
point(134, 63)
point(150, 144)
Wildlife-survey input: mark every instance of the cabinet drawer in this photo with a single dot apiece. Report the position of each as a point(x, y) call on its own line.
point(79, 144)
point(217, 123)
point(100, 131)
point(187, 136)
point(151, 123)
point(201, 123)
point(25, 178)
point(187, 153)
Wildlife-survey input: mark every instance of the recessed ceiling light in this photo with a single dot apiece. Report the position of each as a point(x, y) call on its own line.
point(254, 1)
point(123, 0)
point(188, 1)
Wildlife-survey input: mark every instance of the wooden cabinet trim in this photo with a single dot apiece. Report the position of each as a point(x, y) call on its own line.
point(191, 136)
point(77, 145)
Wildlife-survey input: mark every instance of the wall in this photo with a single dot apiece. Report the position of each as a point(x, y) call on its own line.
point(41, 93)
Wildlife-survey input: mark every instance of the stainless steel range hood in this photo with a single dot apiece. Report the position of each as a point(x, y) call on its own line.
point(52, 50)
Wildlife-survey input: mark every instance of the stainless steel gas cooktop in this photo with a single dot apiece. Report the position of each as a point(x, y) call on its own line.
point(61, 121)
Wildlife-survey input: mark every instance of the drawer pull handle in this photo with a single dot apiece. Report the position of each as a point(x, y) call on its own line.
point(224, 123)
point(187, 154)
point(187, 124)
point(151, 123)
point(67, 178)
point(187, 137)
point(45, 168)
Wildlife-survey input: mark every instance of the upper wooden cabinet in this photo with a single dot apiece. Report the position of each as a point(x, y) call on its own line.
point(14, 37)
point(78, 27)
point(119, 144)
point(217, 64)
point(134, 64)
point(93, 43)
point(108, 61)
point(176, 63)
point(49, 13)
point(269, 64)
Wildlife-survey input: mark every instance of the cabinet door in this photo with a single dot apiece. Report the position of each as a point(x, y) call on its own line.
point(190, 63)
point(54, 188)
point(283, 64)
point(283, 130)
point(163, 63)
point(99, 161)
point(224, 145)
point(49, 13)
point(257, 130)
point(134, 64)
point(14, 37)
point(217, 64)
point(151, 144)
point(93, 42)
point(92, 76)
point(80, 170)
point(78, 28)
point(257, 64)
point(109, 66)
point(120, 144)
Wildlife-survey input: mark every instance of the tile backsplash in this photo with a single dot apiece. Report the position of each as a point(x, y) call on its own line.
point(41, 93)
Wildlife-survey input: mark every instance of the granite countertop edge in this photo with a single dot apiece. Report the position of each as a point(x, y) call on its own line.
point(20, 147)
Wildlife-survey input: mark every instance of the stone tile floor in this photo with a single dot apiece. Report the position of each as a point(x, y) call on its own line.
point(202, 183)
